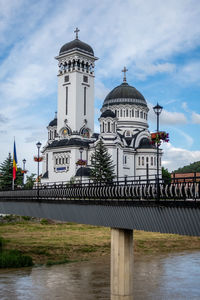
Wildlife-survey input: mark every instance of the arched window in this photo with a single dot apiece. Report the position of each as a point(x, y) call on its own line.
point(141, 114)
point(139, 161)
point(151, 161)
point(120, 112)
point(108, 126)
point(66, 101)
point(84, 101)
point(132, 112)
point(127, 112)
point(142, 160)
point(147, 160)
point(103, 128)
point(154, 161)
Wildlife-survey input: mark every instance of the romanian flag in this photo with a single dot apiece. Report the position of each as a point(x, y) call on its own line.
point(14, 162)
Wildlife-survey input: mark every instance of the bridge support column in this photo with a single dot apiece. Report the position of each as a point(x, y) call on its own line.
point(121, 264)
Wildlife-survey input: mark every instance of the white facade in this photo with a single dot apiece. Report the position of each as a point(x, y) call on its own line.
point(123, 123)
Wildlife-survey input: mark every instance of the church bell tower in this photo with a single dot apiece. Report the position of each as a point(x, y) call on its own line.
point(76, 63)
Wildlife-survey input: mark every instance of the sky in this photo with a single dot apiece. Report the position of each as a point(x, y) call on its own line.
point(158, 41)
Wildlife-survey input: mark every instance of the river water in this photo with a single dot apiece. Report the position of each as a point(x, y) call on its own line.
point(171, 277)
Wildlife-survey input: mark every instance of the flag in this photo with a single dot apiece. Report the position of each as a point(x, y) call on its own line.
point(14, 162)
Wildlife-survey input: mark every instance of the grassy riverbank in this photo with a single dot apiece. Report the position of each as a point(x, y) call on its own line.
point(65, 242)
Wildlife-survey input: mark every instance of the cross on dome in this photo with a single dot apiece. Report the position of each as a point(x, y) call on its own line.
point(76, 31)
point(124, 71)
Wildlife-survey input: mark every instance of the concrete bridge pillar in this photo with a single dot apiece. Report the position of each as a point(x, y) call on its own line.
point(121, 264)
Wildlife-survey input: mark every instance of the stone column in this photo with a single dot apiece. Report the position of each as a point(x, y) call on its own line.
point(121, 264)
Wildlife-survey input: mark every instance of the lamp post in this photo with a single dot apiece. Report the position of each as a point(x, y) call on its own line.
point(38, 171)
point(157, 109)
point(24, 163)
point(81, 154)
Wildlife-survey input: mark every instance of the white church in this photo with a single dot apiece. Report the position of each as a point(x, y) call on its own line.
point(123, 123)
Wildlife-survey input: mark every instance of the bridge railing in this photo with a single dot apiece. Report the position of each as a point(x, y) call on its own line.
point(117, 190)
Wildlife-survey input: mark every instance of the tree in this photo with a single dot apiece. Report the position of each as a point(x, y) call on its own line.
point(194, 167)
point(166, 176)
point(6, 174)
point(102, 168)
point(30, 180)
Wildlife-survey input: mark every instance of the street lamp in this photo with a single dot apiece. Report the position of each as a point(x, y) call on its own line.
point(24, 163)
point(81, 154)
point(38, 146)
point(158, 109)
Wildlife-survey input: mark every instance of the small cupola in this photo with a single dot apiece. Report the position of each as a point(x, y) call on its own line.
point(108, 122)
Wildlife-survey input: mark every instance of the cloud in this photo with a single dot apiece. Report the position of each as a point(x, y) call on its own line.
point(175, 158)
point(167, 117)
point(189, 73)
point(3, 119)
point(195, 118)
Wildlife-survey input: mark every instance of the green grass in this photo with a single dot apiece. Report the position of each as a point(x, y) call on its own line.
point(14, 259)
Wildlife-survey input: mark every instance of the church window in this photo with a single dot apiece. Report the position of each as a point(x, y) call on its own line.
point(120, 112)
point(139, 161)
point(127, 113)
point(85, 79)
point(154, 161)
point(141, 114)
point(132, 112)
point(125, 160)
point(60, 161)
point(63, 160)
point(56, 161)
point(66, 108)
point(124, 113)
point(103, 128)
point(151, 161)
point(66, 160)
point(115, 112)
point(82, 66)
point(137, 114)
point(147, 160)
point(84, 101)
point(54, 133)
point(108, 126)
point(67, 78)
point(142, 160)
point(46, 162)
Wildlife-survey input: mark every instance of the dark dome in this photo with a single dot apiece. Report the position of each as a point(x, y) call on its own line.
point(145, 143)
point(83, 171)
point(108, 113)
point(53, 122)
point(77, 45)
point(124, 94)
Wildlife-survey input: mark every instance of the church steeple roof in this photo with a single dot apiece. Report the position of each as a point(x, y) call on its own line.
point(76, 45)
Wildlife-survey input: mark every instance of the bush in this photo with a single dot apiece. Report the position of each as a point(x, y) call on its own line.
point(44, 222)
point(14, 259)
point(1, 244)
point(26, 218)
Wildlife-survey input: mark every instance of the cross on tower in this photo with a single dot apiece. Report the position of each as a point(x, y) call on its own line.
point(124, 71)
point(76, 31)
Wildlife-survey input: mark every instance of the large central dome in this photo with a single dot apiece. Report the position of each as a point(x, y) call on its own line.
point(76, 45)
point(124, 94)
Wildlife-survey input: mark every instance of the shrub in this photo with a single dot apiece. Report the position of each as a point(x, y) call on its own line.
point(1, 244)
point(14, 259)
point(44, 222)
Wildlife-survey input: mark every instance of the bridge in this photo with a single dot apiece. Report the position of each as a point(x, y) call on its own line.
point(123, 206)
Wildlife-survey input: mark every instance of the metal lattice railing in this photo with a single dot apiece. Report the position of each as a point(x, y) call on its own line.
point(126, 190)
